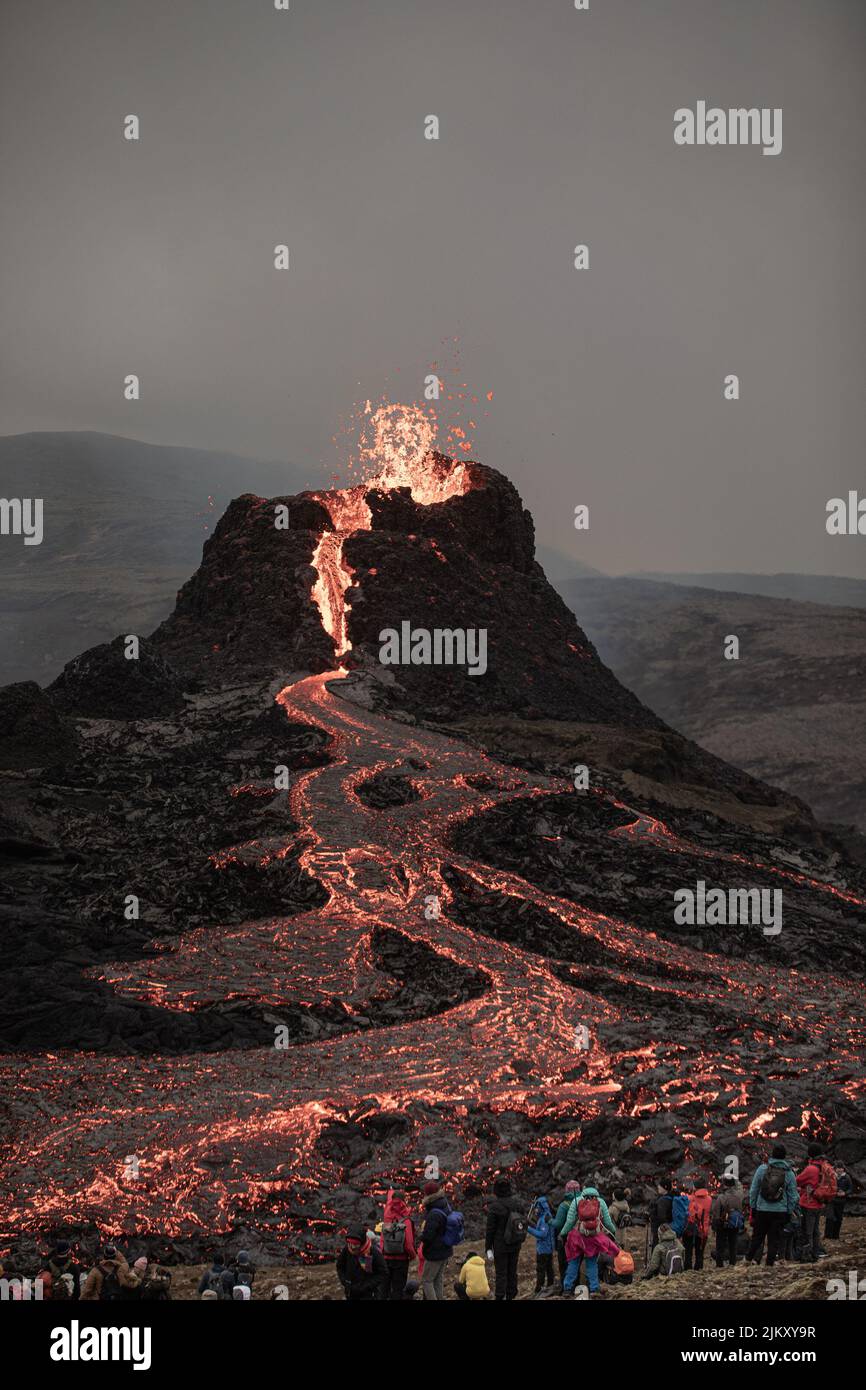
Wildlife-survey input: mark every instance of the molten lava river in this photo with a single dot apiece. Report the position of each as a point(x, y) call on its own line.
point(196, 1144)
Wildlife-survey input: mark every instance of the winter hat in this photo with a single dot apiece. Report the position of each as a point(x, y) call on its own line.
point(62, 1247)
point(572, 1186)
point(240, 1293)
point(243, 1257)
point(502, 1188)
point(210, 1295)
point(430, 1188)
point(140, 1264)
point(357, 1232)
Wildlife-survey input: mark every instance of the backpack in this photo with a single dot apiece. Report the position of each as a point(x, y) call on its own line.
point(63, 1286)
point(672, 1261)
point(826, 1187)
point(110, 1287)
point(243, 1274)
point(733, 1221)
point(455, 1229)
point(623, 1264)
point(515, 1228)
point(157, 1284)
point(394, 1237)
point(679, 1212)
point(624, 1221)
point(215, 1282)
point(588, 1216)
point(773, 1184)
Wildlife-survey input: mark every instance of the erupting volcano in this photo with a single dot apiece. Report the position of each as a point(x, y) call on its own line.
point(364, 940)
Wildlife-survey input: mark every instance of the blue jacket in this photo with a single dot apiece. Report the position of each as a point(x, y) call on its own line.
point(543, 1230)
point(789, 1198)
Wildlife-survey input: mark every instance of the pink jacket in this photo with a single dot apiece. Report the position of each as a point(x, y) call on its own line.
point(590, 1246)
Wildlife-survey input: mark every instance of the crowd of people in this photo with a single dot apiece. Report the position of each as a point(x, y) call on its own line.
point(777, 1218)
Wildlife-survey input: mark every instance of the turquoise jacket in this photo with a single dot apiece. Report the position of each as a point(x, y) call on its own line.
point(606, 1222)
point(790, 1196)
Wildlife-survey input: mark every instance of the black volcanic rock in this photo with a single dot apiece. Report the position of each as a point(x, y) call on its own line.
point(103, 683)
point(467, 562)
point(247, 610)
point(411, 1032)
point(33, 732)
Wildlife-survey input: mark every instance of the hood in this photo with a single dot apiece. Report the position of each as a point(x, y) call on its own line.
point(395, 1207)
point(436, 1199)
point(589, 1192)
point(475, 1260)
point(543, 1205)
point(778, 1163)
point(667, 1233)
point(700, 1192)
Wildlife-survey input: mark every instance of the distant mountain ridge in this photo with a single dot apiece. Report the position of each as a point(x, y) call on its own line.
point(124, 523)
point(833, 589)
point(790, 711)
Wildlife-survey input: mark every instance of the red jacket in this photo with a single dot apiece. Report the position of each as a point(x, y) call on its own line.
point(700, 1203)
point(809, 1178)
point(397, 1210)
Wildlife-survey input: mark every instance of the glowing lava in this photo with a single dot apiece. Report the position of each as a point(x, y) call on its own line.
point(234, 1137)
point(329, 590)
point(395, 450)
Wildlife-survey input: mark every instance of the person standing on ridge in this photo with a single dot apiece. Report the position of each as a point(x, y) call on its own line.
point(433, 1245)
point(397, 1243)
point(507, 1229)
point(772, 1197)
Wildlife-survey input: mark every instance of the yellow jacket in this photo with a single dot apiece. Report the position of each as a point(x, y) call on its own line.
point(473, 1277)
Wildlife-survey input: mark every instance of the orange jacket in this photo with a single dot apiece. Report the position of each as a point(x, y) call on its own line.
point(699, 1211)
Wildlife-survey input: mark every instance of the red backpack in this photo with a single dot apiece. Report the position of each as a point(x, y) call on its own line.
point(588, 1216)
point(826, 1187)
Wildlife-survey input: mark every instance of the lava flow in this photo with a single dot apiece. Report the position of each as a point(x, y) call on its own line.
point(247, 1137)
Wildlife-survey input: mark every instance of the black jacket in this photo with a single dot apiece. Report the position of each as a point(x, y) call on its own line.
point(436, 1210)
point(663, 1210)
point(497, 1219)
point(358, 1281)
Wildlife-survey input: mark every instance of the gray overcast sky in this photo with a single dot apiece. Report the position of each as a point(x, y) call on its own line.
point(260, 127)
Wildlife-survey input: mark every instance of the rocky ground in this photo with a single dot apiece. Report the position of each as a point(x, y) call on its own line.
point(203, 848)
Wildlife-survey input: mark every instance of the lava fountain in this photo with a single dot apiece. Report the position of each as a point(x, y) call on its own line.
point(395, 451)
